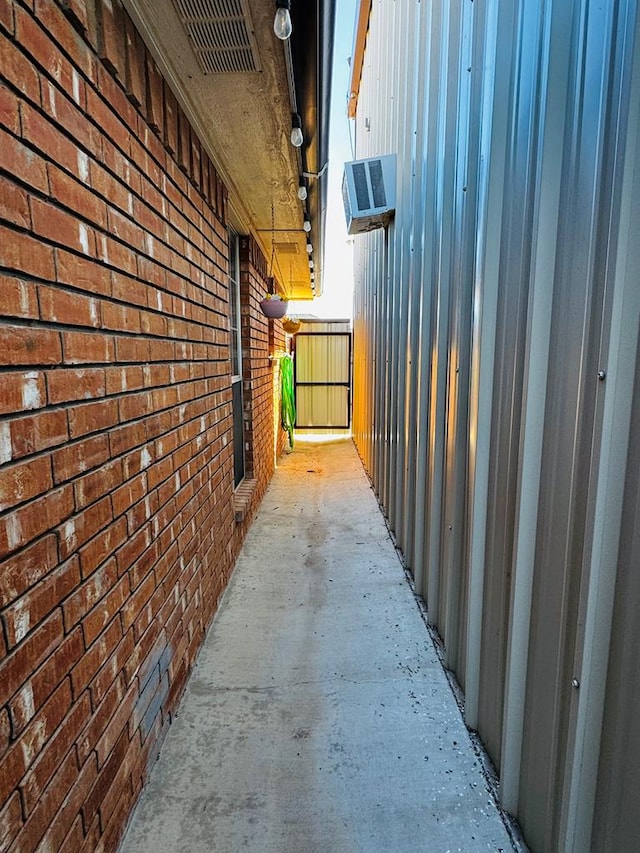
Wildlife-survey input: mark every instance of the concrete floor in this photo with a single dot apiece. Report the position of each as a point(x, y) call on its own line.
point(318, 718)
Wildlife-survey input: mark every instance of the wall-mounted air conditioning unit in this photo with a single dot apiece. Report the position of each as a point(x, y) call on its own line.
point(369, 193)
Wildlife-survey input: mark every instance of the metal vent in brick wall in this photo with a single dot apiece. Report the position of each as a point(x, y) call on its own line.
point(221, 34)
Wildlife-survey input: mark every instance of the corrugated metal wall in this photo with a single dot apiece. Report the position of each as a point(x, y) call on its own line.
point(496, 399)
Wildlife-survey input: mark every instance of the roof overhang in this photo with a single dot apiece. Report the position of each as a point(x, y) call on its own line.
point(357, 58)
point(243, 117)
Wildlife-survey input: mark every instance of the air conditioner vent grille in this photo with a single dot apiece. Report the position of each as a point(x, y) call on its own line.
point(377, 184)
point(361, 185)
point(221, 35)
point(369, 193)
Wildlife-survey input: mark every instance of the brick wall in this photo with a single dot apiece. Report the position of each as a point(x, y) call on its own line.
point(260, 381)
point(117, 530)
point(257, 338)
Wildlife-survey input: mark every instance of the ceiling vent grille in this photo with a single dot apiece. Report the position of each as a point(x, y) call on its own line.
point(221, 35)
point(286, 248)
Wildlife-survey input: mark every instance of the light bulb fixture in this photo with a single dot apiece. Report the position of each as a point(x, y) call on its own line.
point(296, 130)
point(282, 26)
point(307, 224)
point(309, 248)
point(310, 263)
point(302, 189)
point(312, 275)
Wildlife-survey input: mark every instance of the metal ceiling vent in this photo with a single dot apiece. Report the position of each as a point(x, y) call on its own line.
point(286, 248)
point(369, 193)
point(221, 34)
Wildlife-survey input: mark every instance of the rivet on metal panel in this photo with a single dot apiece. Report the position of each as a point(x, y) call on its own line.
point(575, 683)
point(601, 375)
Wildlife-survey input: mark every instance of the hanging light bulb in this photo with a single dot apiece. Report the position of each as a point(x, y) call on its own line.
point(296, 130)
point(302, 190)
point(310, 263)
point(309, 248)
point(282, 23)
point(307, 224)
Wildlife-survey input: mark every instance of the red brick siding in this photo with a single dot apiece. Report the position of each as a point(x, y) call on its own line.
point(117, 531)
point(260, 339)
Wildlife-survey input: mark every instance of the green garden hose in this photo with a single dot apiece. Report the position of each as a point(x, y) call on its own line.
point(287, 397)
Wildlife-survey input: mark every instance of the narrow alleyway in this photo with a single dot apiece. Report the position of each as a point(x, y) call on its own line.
point(318, 717)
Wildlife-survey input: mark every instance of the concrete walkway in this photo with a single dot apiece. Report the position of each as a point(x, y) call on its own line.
point(318, 718)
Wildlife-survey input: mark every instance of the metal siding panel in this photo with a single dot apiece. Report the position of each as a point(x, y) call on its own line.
point(428, 238)
point(611, 543)
point(322, 407)
point(452, 526)
point(406, 135)
point(456, 480)
point(393, 121)
point(322, 358)
point(383, 138)
point(494, 117)
point(416, 134)
point(509, 343)
point(379, 263)
point(442, 269)
point(554, 100)
point(571, 442)
point(534, 408)
point(617, 817)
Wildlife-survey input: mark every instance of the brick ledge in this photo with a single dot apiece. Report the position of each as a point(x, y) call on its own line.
point(242, 498)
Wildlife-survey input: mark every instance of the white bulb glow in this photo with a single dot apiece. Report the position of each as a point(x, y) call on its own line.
point(306, 225)
point(310, 263)
point(282, 26)
point(296, 137)
point(302, 193)
point(309, 248)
